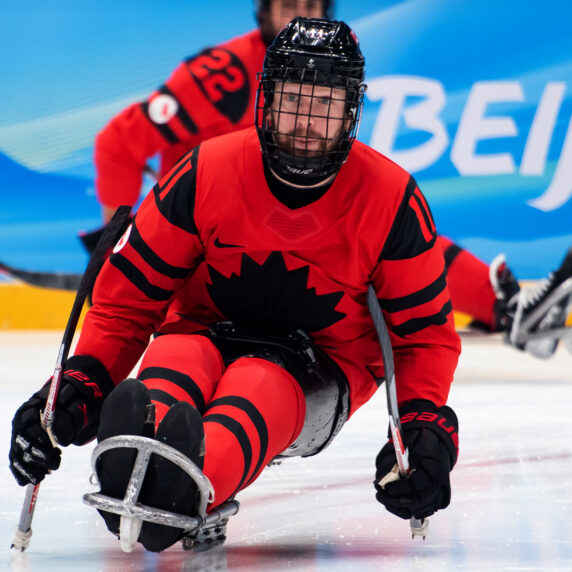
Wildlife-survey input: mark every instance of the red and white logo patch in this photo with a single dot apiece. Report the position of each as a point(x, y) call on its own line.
point(123, 240)
point(163, 108)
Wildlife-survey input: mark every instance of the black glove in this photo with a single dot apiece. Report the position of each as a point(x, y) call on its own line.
point(431, 435)
point(84, 385)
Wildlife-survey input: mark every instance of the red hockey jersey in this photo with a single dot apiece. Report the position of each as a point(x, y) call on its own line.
point(211, 242)
point(207, 95)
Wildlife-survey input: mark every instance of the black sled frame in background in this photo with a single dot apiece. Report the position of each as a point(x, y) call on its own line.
point(56, 280)
point(111, 234)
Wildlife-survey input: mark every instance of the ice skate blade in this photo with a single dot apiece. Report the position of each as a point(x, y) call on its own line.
point(129, 529)
point(128, 506)
point(213, 531)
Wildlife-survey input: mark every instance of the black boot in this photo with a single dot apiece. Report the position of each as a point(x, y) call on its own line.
point(167, 486)
point(553, 319)
point(126, 411)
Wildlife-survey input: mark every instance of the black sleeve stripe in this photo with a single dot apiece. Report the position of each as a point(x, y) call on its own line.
point(184, 117)
point(162, 397)
point(152, 259)
point(166, 132)
point(185, 382)
point(237, 430)
point(418, 324)
point(175, 198)
point(451, 253)
point(417, 298)
point(138, 279)
point(257, 420)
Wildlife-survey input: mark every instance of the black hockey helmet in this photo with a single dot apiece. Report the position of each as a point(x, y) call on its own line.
point(309, 54)
point(263, 9)
point(262, 5)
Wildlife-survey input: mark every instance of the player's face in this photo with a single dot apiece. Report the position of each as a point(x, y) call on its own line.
point(281, 12)
point(307, 119)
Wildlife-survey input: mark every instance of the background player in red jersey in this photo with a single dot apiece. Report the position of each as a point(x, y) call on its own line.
point(206, 95)
point(252, 258)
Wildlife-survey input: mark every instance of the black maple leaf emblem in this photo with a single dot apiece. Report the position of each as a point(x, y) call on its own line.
point(270, 298)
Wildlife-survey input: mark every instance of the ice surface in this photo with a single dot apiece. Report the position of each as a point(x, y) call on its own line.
point(512, 486)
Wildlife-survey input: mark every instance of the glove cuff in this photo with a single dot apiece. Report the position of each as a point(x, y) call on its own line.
point(422, 413)
point(89, 376)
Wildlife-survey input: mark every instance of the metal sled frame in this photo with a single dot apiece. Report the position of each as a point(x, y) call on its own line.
point(134, 513)
point(524, 334)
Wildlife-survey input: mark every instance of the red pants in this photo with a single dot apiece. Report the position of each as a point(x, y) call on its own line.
point(252, 410)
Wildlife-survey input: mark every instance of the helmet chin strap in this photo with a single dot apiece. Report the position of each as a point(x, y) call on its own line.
point(303, 180)
point(302, 171)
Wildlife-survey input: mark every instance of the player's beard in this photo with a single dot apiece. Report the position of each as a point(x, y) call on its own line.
point(295, 142)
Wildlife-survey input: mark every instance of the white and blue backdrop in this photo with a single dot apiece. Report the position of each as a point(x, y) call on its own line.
point(473, 97)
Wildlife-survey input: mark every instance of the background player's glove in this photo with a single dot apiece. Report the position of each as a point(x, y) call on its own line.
point(431, 435)
point(84, 385)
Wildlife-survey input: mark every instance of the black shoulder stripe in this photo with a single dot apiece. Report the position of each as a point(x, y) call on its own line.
point(257, 420)
point(238, 431)
point(418, 324)
point(416, 298)
point(451, 253)
point(166, 132)
point(138, 279)
point(406, 238)
point(427, 219)
point(175, 196)
point(182, 113)
point(173, 173)
point(185, 382)
point(152, 259)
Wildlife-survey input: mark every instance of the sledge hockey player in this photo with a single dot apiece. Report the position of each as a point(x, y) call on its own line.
point(251, 260)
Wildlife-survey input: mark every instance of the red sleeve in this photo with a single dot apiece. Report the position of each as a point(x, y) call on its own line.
point(412, 291)
point(207, 95)
point(146, 268)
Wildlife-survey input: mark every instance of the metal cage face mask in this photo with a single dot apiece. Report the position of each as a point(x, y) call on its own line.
point(309, 100)
point(307, 127)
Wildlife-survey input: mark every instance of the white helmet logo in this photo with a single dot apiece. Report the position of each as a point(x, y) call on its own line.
point(163, 108)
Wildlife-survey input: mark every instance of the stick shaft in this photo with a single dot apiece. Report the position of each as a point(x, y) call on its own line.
point(401, 452)
point(108, 238)
point(387, 353)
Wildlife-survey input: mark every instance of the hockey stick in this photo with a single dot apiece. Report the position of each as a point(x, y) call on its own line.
point(418, 527)
point(56, 280)
point(109, 238)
